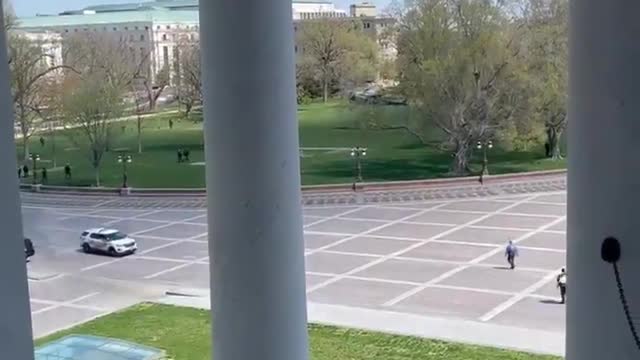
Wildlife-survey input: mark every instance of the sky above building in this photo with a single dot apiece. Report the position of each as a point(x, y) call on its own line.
point(33, 7)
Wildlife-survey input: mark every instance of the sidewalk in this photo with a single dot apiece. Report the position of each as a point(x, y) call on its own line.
point(463, 331)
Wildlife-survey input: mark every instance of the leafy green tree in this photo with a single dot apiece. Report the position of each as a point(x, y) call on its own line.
point(547, 56)
point(455, 59)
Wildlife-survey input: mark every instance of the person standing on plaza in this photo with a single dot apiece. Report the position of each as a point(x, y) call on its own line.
point(511, 253)
point(25, 171)
point(45, 178)
point(562, 285)
point(180, 155)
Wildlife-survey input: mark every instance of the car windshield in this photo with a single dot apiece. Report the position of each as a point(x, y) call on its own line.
point(114, 236)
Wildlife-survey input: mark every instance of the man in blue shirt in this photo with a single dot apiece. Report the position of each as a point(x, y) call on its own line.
point(511, 253)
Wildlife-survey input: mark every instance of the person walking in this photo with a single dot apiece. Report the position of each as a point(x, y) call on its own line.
point(42, 141)
point(170, 124)
point(25, 171)
point(45, 179)
point(186, 154)
point(511, 253)
point(179, 155)
point(19, 172)
point(67, 171)
point(562, 285)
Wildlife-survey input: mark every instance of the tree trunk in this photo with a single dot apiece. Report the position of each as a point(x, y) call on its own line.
point(25, 147)
point(325, 90)
point(460, 165)
point(97, 174)
point(139, 134)
point(53, 148)
point(553, 138)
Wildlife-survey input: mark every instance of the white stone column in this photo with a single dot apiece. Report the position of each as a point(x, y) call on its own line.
point(604, 176)
point(16, 340)
point(253, 180)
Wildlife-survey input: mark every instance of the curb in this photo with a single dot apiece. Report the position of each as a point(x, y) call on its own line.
point(306, 189)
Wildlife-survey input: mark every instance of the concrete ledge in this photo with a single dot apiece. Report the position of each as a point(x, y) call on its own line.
point(309, 189)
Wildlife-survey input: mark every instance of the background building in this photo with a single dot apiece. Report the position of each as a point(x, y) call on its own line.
point(155, 29)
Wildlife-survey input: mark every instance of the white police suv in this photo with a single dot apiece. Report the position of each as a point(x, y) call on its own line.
point(109, 241)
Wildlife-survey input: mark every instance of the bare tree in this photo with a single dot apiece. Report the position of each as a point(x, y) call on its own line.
point(146, 91)
point(337, 50)
point(94, 97)
point(30, 67)
point(10, 19)
point(190, 75)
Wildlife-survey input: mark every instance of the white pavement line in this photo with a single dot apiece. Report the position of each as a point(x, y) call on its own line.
point(465, 288)
point(411, 247)
point(100, 204)
point(370, 231)
point(361, 219)
point(334, 216)
point(362, 278)
point(452, 272)
point(517, 297)
point(70, 303)
point(475, 261)
point(177, 267)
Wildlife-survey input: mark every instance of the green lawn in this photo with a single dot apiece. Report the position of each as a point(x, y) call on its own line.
point(394, 154)
point(184, 334)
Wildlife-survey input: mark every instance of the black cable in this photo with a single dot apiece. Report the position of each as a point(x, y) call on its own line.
point(625, 306)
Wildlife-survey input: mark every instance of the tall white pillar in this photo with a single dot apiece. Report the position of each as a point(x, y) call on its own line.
point(15, 311)
point(253, 180)
point(604, 177)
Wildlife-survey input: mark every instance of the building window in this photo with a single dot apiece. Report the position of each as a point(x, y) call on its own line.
point(115, 28)
point(168, 27)
point(296, 49)
point(146, 28)
point(164, 37)
point(165, 55)
point(126, 28)
point(136, 28)
point(142, 37)
point(367, 25)
point(66, 30)
point(158, 27)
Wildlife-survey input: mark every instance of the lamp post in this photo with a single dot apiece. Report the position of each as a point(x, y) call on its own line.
point(357, 153)
point(124, 159)
point(35, 158)
point(485, 146)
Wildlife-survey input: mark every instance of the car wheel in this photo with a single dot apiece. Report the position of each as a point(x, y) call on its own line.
point(86, 248)
point(113, 252)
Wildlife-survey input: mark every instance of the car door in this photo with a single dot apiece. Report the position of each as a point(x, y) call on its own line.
point(96, 241)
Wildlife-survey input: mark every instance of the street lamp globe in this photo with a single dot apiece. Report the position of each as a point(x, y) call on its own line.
point(490, 144)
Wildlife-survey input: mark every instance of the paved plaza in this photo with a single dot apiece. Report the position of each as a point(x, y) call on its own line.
point(443, 259)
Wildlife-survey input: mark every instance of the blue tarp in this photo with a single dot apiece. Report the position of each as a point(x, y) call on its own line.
point(83, 347)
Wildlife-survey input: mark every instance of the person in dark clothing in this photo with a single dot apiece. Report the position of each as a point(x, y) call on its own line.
point(186, 153)
point(179, 155)
point(170, 124)
point(67, 171)
point(29, 250)
point(19, 172)
point(511, 253)
point(547, 149)
point(41, 141)
point(562, 285)
point(45, 179)
point(25, 171)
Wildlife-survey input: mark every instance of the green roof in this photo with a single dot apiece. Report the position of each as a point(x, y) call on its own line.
point(119, 17)
point(159, 11)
